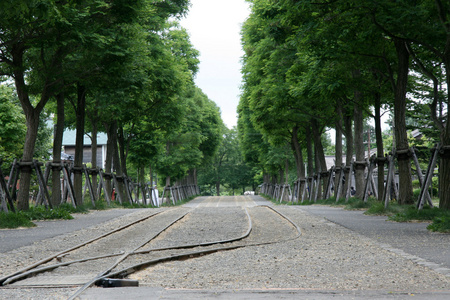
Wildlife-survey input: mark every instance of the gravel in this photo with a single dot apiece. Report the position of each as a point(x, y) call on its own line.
point(325, 257)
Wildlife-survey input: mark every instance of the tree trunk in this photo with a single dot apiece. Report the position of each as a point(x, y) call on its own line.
point(444, 166)
point(32, 118)
point(309, 151)
point(109, 157)
point(23, 195)
point(94, 144)
point(286, 166)
point(123, 159)
point(404, 161)
point(349, 152)
point(120, 190)
point(32, 113)
point(298, 154)
point(195, 177)
point(380, 146)
point(338, 146)
point(217, 188)
point(359, 146)
point(322, 164)
point(79, 145)
point(57, 147)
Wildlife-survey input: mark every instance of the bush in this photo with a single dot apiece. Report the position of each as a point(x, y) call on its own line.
point(377, 208)
point(356, 203)
point(441, 224)
point(416, 184)
point(15, 220)
point(41, 213)
point(412, 213)
point(416, 194)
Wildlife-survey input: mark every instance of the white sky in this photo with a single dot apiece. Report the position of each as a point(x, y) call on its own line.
point(214, 27)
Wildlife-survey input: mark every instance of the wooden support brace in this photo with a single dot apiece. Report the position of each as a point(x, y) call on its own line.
point(340, 183)
point(88, 184)
point(316, 194)
point(350, 177)
point(329, 184)
point(387, 187)
point(368, 180)
point(69, 184)
point(428, 177)
point(420, 176)
point(42, 185)
point(6, 192)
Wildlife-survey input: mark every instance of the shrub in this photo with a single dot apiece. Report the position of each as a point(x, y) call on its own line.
point(41, 213)
point(412, 213)
point(15, 220)
point(441, 224)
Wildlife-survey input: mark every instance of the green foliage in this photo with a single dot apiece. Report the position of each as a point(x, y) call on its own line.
point(356, 204)
point(395, 212)
point(227, 167)
point(135, 205)
point(43, 148)
point(378, 208)
point(23, 219)
point(12, 125)
point(41, 213)
point(15, 220)
point(440, 224)
point(412, 213)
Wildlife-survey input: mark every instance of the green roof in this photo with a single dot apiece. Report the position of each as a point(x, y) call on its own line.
point(69, 138)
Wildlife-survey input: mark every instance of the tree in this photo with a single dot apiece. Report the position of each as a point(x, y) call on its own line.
point(227, 167)
point(12, 125)
point(32, 36)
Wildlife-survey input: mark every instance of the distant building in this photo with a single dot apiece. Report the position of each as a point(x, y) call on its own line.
point(416, 134)
point(69, 147)
point(330, 159)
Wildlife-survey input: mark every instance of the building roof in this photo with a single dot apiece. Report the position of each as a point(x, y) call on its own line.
point(69, 138)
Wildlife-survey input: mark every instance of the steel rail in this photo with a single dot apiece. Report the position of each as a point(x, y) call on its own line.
point(246, 234)
point(123, 257)
point(33, 272)
point(129, 270)
point(104, 274)
point(5, 280)
point(132, 269)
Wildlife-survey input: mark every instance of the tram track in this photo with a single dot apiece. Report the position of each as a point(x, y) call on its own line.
point(143, 255)
point(3, 280)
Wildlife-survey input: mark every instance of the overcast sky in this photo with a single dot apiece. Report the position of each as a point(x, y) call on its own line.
point(214, 27)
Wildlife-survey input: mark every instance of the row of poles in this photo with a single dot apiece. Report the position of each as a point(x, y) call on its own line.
point(136, 192)
point(179, 193)
point(307, 189)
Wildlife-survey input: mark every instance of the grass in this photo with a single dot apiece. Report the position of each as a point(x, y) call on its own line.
point(440, 219)
point(41, 213)
point(25, 218)
point(15, 220)
point(64, 212)
point(440, 224)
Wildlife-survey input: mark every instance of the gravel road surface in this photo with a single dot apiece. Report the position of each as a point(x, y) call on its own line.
point(14, 238)
point(327, 261)
point(412, 238)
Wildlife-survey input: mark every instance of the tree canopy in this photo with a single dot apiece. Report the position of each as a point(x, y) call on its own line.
point(313, 65)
